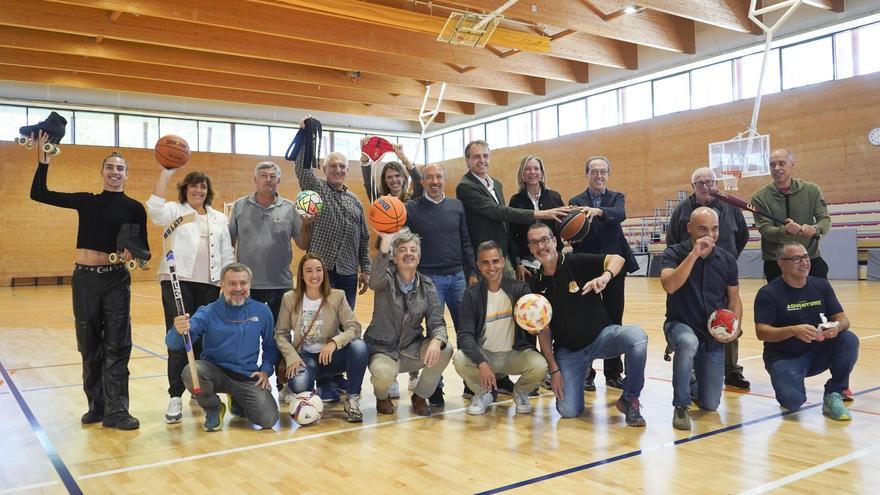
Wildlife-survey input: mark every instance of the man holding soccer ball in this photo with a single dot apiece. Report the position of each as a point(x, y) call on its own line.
point(698, 280)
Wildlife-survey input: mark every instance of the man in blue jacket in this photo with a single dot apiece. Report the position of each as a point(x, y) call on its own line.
point(234, 329)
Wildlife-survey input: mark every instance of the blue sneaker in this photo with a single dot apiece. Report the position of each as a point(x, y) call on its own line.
point(832, 406)
point(328, 394)
point(341, 384)
point(214, 418)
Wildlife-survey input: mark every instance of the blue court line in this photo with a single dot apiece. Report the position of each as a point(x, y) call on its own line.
point(57, 463)
point(634, 453)
point(144, 349)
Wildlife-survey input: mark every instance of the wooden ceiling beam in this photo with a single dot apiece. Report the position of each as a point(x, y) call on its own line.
point(832, 5)
point(310, 26)
point(726, 14)
point(128, 84)
point(48, 16)
point(50, 60)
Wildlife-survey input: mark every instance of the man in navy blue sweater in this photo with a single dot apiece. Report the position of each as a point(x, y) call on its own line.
point(234, 329)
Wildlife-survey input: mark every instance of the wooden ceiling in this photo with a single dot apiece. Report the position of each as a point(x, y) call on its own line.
point(370, 58)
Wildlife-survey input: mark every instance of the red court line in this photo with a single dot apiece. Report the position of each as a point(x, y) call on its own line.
point(864, 411)
point(728, 389)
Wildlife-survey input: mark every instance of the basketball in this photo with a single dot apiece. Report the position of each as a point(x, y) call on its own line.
point(306, 408)
point(308, 203)
point(387, 214)
point(574, 227)
point(722, 322)
point(171, 151)
point(533, 313)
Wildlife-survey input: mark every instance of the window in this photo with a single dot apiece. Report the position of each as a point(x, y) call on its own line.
point(412, 149)
point(712, 85)
point(572, 117)
point(187, 129)
point(545, 123)
point(138, 132)
point(855, 53)
point(807, 63)
point(496, 134)
point(435, 149)
point(672, 94)
point(635, 102)
point(251, 139)
point(452, 145)
point(349, 144)
point(215, 137)
point(602, 110)
point(520, 127)
point(11, 118)
point(280, 138)
point(748, 71)
point(96, 129)
point(36, 115)
point(477, 132)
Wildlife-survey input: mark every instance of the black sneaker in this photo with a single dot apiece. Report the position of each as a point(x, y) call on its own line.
point(590, 381)
point(504, 386)
point(630, 409)
point(121, 421)
point(614, 381)
point(736, 380)
point(535, 393)
point(436, 399)
point(341, 384)
point(467, 394)
point(92, 417)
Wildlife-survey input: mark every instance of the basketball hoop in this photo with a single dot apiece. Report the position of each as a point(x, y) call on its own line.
point(469, 29)
point(731, 179)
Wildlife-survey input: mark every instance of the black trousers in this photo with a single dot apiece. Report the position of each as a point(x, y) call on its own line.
point(614, 298)
point(195, 295)
point(818, 268)
point(102, 312)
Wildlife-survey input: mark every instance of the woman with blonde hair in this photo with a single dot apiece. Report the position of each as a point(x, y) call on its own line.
point(533, 195)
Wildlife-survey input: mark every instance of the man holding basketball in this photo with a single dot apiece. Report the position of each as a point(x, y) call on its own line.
point(581, 329)
point(733, 235)
point(101, 290)
point(489, 338)
point(698, 279)
point(801, 204)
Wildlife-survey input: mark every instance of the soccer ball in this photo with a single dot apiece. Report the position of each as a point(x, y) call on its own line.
point(533, 313)
point(306, 408)
point(722, 323)
point(308, 203)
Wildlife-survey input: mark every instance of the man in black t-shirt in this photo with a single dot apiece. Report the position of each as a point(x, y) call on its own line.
point(805, 332)
point(581, 329)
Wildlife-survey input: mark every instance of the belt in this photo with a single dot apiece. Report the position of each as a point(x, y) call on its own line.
point(99, 268)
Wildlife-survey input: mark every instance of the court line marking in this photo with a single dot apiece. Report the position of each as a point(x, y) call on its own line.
point(806, 473)
point(634, 453)
point(42, 437)
point(71, 385)
point(759, 356)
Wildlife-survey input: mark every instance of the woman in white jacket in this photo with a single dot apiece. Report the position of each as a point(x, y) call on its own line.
point(202, 247)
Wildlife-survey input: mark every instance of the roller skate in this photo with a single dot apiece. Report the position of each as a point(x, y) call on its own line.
point(129, 237)
point(54, 126)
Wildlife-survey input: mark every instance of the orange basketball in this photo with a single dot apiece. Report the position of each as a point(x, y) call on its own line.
point(171, 151)
point(387, 214)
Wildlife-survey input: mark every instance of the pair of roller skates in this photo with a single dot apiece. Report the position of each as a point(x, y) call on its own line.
point(54, 126)
point(129, 238)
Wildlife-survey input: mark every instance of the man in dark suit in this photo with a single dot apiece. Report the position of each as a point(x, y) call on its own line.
point(606, 209)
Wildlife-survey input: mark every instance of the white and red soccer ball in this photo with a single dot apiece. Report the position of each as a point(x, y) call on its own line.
point(533, 313)
point(722, 323)
point(306, 408)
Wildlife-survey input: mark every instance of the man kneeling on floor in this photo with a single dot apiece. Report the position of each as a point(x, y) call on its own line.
point(489, 339)
point(234, 329)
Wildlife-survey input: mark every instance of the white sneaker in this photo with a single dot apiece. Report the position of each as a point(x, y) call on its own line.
point(352, 409)
point(479, 403)
point(394, 390)
point(174, 413)
point(413, 381)
point(522, 403)
point(285, 395)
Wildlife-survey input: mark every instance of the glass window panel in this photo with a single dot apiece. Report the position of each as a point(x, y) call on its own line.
point(572, 117)
point(96, 129)
point(843, 54)
point(36, 115)
point(251, 139)
point(807, 63)
point(496, 134)
point(435, 149)
point(477, 132)
point(136, 131)
point(452, 145)
point(215, 137)
point(635, 102)
point(546, 124)
point(602, 110)
point(281, 137)
point(347, 143)
point(748, 71)
point(520, 129)
point(11, 119)
point(412, 149)
point(865, 43)
point(672, 94)
point(187, 129)
point(712, 85)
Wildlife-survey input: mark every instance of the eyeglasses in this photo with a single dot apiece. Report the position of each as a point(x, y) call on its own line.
point(797, 260)
point(596, 173)
point(540, 242)
point(704, 183)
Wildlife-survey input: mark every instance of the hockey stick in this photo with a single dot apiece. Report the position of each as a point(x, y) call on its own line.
point(187, 341)
point(742, 205)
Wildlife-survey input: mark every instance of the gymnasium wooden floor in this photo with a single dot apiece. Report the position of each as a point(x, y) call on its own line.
point(747, 446)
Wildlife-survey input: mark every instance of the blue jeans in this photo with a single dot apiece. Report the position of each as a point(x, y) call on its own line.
point(450, 291)
point(787, 375)
point(706, 359)
point(352, 359)
point(346, 283)
point(614, 340)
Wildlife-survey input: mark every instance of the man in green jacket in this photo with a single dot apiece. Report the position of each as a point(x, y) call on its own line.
point(801, 204)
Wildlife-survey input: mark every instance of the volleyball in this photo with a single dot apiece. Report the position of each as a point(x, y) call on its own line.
point(306, 408)
point(308, 203)
point(722, 322)
point(533, 313)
